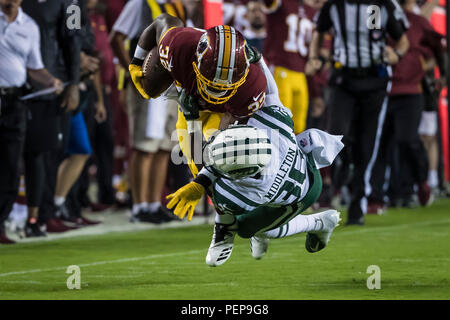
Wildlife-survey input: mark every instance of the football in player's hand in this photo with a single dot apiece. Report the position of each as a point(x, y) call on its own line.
point(156, 78)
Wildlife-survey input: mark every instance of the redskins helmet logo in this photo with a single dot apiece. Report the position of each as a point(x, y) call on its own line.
point(222, 64)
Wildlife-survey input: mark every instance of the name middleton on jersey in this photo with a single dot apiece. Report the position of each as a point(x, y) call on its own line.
point(283, 170)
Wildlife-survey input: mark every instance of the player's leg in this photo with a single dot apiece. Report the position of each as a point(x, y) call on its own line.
point(222, 242)
point(427, 130)
point(266, 218)
point(210, 124)
point(319, 227)
point(370, 119)
point(284, 84)
point(300, 101)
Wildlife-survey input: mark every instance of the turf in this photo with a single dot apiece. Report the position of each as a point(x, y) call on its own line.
point(411, 247)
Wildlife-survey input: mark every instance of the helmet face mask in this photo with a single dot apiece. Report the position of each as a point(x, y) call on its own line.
point(237, 152)
point(222, 64)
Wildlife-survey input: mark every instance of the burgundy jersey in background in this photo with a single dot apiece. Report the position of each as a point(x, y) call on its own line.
point(289, 32)
point(423, 41)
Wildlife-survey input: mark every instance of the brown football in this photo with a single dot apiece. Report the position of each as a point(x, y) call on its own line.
point(156, 78)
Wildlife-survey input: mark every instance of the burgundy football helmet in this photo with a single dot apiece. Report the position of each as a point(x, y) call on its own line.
point(222, 64)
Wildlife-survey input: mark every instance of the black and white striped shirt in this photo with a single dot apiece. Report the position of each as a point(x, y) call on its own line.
point(360, 28)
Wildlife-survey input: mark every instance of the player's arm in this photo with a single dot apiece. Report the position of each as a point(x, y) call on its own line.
point(323, 25)
point(147, 41)
point(186, 198)
point(153, 33)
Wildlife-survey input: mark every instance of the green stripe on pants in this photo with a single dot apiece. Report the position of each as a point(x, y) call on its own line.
point(266, 218)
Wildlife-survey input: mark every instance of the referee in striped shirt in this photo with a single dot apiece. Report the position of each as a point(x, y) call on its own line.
point(360, 80)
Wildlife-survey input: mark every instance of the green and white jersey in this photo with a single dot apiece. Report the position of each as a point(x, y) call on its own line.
point(284, 181)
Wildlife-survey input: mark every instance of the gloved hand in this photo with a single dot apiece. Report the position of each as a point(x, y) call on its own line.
point(136, 74)
point(189, 106)
point(253, 54)
point(185, 199)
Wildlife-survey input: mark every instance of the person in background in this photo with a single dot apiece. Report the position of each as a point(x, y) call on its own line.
point(78, 147)
point(289, 32)
point(359, 83)
point(429, 127)
point(60, 49)
point(20, 55)
point(255, 33)
point(151, 121)
point(100, 132)
point(402, 146)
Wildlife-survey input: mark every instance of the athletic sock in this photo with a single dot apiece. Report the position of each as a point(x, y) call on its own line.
point(139, 206)
point(59, 201)
point(153, 206)
point(299, 224)
point(227, 219)
point(433, 178)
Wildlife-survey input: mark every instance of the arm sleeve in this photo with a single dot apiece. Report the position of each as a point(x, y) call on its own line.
point(324, 22)
point(34, 58)
point(272, 96)
point(70, 43)
point(397, 22)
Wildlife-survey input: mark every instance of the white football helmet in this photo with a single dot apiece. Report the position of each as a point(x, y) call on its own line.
point(237, 152)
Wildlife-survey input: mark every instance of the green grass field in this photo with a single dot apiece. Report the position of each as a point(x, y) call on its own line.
point(411, 247)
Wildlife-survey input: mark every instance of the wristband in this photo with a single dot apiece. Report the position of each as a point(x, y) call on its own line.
point(203, 180)
point(140, 53)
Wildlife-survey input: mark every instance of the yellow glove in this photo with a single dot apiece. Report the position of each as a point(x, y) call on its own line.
point(185, 198)
point(136, 75)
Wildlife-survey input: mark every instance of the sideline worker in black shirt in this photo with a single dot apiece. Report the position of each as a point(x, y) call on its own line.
point(360, 80)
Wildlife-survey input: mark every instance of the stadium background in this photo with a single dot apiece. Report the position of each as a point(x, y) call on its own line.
point(123, 260)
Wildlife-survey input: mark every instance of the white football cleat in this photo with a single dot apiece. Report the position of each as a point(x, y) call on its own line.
point(221, 245)
point(258, 245)
point(317, 240)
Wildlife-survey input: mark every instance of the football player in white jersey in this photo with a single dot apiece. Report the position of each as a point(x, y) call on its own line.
point(260, 177)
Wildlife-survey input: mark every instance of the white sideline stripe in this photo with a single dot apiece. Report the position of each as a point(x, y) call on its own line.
point(121, 224)
point(153, 256)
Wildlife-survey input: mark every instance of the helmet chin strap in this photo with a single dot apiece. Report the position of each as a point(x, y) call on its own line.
point(219, 94)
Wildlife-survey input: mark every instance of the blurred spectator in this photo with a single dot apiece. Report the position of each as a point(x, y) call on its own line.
point(194, 13)
point(60, 49)
point(255, 33)
point(78, 148)
point(99, 124)
point(289, 31)
point(112, 11)
point(359, 83)
point(152, 121)
point(406, 154)
point(234, 14)
point(19, 54)
point(429, 127)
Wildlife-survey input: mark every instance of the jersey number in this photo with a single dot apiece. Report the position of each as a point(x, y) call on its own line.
point(164, 57)
point(299, 34)
point(259, 101)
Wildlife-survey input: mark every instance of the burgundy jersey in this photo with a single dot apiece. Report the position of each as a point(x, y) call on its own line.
point(177, 49)
point(423, 41)
point(289, 32)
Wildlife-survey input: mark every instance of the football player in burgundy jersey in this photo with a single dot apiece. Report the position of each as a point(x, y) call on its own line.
point(289, 31)
point(212, 71)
